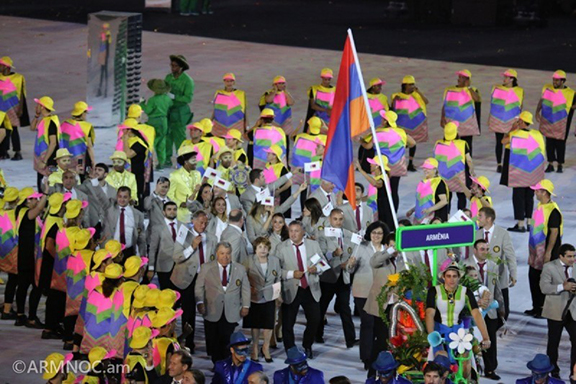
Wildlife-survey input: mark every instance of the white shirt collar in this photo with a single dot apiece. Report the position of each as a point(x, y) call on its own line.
point(168, 221)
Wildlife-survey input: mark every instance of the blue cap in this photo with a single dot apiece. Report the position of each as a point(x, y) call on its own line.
point(540, 364)
point(385, 362)
point(238, 338)
point(294, 356)
point(443, 361)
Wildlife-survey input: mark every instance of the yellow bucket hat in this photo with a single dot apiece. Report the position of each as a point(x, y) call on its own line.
point(134, 111)
point(11, 194)
point(229, 76)
point(55, 202)
point(327, 72)
point(62, 152)
point(165, 316)
point(376, 81)
point(114, 247)
point(207, 125)
point(482, 181)
point(559, 74)
point(430, 163)
point(380, 160)
point(7, 61)
point(82, 238)
point(546, 185)
point(99, 257)
point(113, 271)
point(80, 107)
point(526, 117)
point(168, 297)
point(73, 208)
point(119, 155)
point(197, 125)
point(275, 149)
point(510, 73)
point(450, 131)
point(409, 79)
point(152, 297)
point(27, 193)
point(465, 73)
point(46, 102)
point(54, 364)
point(142, 336)
point(234, 134)
point(390, 117)
point(140, 295)
point(133, 264)
point(267, 112)
point(98, 354)
point(314, 124)
point(279, 79)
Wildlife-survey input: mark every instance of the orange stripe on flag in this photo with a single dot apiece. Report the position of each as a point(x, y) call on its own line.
point(358, 117)
point(351, 187)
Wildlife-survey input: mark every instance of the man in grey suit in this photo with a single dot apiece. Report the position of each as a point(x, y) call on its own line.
point(558, 285)
point(501, 248)
point(257, 185)
point(223, 295)
point(197, 249)
point(488, 275)
point(357, 218)
point(324, 194)
point(301, 285)
point(125, 223)
point(336, 281)
point(162, 239)
point(69, 185)
point(101, 195)
point(154, 204)
point(425, 257)
point(234, 235)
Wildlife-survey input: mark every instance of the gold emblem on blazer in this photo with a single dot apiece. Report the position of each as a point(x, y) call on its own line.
point(274, 273)
point(496, 249)
point(320, 228)
point(494, 281)
point(212, 257)
point(238, 282)
point(350, 250)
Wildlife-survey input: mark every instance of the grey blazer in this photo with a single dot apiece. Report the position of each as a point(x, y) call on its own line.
point(491, 273)
point(212, 225)
point(287, 254)
point(238, 243)
point(275, 241)
point(555, 302)
point(314, 230)
point(382, 267)
point(328, 245)
point(155, 209)
point(249, 196)
point(501, 248)
point(139, 233)
point(319, 195)
point(90, 218)
point(350, 217)
point(260, 283)
point(185, 269)
point(415, 258)
point(235, 203)
point(99, 200)
point(218, 302)
point(362, 271)
point(255, 229)
point(162, 246)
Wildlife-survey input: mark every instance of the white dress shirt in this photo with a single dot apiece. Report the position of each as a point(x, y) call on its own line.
point(228, 207)
point(485, 269)
point(164, 199)
point(490, 233)
point(560, 287)
point(221, 271)
point(128, 225)
point(220, 227)
point(206, 256)
point(290, 274)
point(72, 192)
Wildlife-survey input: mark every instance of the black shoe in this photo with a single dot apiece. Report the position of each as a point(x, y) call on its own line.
point(9, 316)
point(20, 321)
point(492, 376)
point(17, 156)
point(530, 312)
point(34, 322)
point(537, 315)
point(351, 345)
point(267, 359)
point(528, 228)
point(559, 169)
point(51, 335)
point(549, 168)
point(517, 228)
point(499, 168)
point(411, 167)
point(309, 353)
point(68, 346)
point(4, 157)
point(319, 340)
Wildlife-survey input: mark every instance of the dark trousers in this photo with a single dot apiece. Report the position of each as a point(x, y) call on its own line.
point(491, 354)
point(366, 330)
point(10, 290)
point(39, 178)
point(555, 329)
point(55, 308)
point(535, 291)
point(69, 324)
point(188, 303)
point(523, 202)
point(13, 136)
point(164, 280)
point(218, 337)
point(412, 152)
point(303, 196)
point(555, 150)
point(341, 305)
point(461, 201)
point(468, 139)
point(380, 343)
point(25, 280)
point(394, 184)
point(499, 147)
point(311, 308)
point(506, 297)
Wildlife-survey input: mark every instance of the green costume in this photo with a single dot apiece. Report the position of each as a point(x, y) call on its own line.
point(179, 114)
point(195, 6)
point(157, 108)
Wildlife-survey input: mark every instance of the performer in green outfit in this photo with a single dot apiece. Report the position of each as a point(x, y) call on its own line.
point(157, 108)
point(179, 115)
point(195, 7)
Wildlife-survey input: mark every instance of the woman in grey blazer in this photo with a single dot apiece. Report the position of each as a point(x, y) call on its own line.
point(218, 218)
point(278, 233)
point(260, 216)
point(203, 200)
point(263, 272)
point(359, 264)
point(313, 218)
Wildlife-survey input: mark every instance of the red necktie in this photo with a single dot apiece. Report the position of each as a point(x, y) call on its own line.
point(329, 198)
point(486, 234)
point(427, 260)
point(303, 281)
point(467, 252)
point(566, 271)
point(173, 232)
point(358, 223)
point(201, 253)
point(481, 267)
point(122, 230)
point(224, 277)
point(393, 261)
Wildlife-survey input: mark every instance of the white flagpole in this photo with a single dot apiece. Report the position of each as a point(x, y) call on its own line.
point(374, 137)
